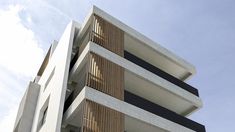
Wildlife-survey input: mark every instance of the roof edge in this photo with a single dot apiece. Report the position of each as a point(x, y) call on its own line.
point(147, 41)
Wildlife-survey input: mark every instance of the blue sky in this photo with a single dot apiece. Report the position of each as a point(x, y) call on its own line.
point(200, 31)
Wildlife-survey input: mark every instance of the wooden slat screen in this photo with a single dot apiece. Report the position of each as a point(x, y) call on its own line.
point(106, 77)
point(104, 34)
point(98, 118)
point(107, 35)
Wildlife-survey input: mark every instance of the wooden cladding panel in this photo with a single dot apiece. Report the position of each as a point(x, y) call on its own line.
point(108, 78)
point(98, 118)
point(107, 35)
point(105, 76)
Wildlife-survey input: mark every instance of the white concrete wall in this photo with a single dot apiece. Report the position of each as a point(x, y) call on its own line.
point(57, 86)
point(27, 108)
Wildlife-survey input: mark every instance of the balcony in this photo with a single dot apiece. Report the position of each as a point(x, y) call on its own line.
point(140, 114)
point(155, 79)
point(143, 82)
point(137, 44)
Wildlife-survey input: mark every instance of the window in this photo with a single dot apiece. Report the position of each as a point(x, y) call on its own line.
point(43, 114)
point(49, 78)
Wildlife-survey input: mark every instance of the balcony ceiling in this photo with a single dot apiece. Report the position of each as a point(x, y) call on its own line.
point(156, 94)
point(135, 125)
point(155, 58)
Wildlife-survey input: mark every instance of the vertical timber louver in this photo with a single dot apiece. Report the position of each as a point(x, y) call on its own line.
point(106, 77)
point(107, 35)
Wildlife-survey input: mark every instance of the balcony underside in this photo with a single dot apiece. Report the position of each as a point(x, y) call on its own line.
point(156, 94)
point(140, 62)
point(134, 125)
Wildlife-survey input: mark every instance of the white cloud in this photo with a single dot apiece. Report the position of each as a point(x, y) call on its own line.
point(20, 57)
point(7, 122)
point(20, 51)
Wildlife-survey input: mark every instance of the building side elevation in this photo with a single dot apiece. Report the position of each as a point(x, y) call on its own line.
point(103, 76)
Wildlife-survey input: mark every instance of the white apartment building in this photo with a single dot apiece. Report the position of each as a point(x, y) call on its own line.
point(103, 76)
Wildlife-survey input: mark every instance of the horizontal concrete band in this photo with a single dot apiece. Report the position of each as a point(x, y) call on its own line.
point(120, 106)
point(137, 70)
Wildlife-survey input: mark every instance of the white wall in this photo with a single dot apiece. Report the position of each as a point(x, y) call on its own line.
point(57, 86)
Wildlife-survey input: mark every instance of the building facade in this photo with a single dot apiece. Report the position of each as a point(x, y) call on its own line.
point(103, 76)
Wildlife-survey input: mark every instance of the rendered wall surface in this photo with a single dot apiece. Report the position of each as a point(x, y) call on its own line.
point(56, 88)
point(27, 108)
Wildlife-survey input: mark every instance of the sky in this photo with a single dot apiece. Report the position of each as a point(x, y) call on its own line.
point(200, 31)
